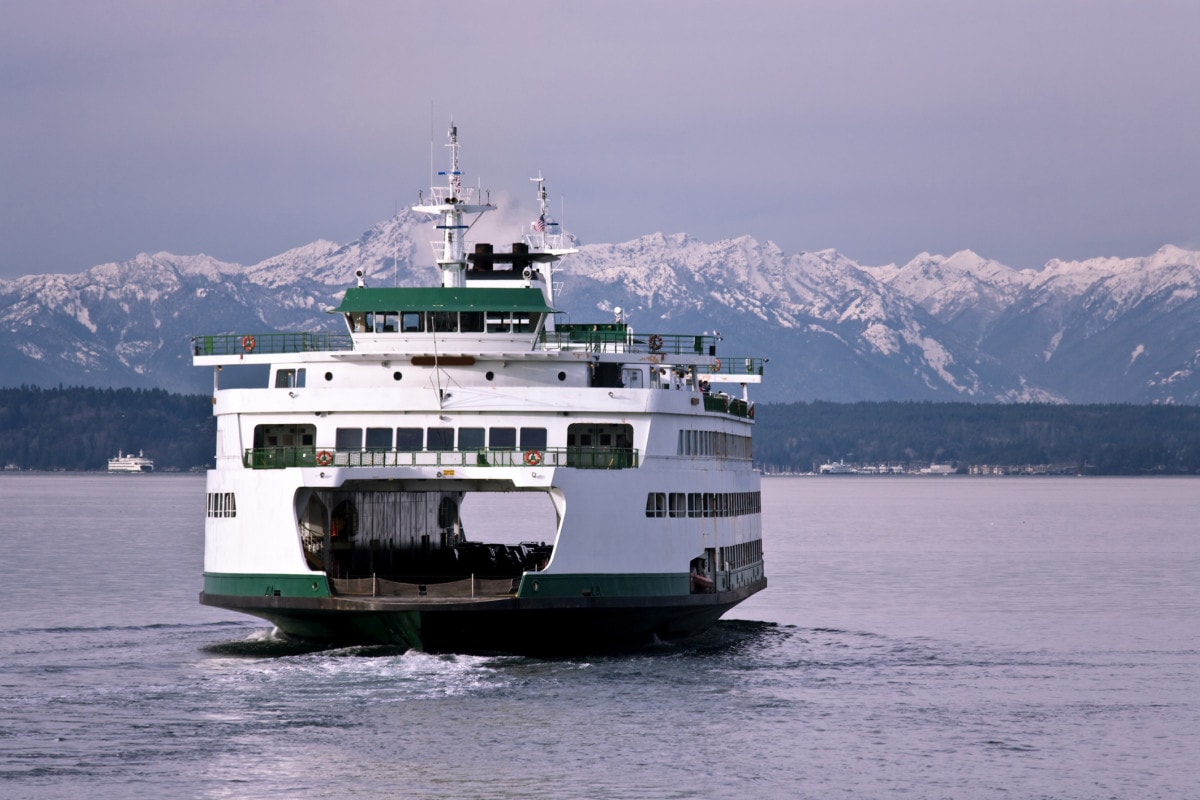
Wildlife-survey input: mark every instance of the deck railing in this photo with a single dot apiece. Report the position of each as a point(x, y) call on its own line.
point(610, 338)
point(232, 344)
point(574, 457)
point(728, 405)
point(617, 338)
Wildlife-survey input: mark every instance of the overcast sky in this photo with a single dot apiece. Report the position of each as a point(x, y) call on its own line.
point(1022, 130)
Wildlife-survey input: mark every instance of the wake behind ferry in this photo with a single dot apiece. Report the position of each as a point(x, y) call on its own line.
point(335, 505)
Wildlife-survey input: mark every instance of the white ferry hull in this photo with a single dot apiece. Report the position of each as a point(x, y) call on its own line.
point(335, 509)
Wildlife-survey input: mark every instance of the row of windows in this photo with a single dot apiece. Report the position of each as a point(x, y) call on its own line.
point(414, 439)
point(716, 444)
point(443, 321)
point(702, 504)
point(739, 555)
point(222, 504)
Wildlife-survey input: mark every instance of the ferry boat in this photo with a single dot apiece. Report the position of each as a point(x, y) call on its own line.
point(336, 506)
point(130, 463)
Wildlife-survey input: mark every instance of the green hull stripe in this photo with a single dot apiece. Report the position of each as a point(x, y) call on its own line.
point(260, 585)
point(664, 584)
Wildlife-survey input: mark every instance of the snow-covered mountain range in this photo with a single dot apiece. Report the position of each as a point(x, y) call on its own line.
point(957, 327)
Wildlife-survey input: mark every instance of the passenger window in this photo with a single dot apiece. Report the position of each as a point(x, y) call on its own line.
point(440, 439)
point(470, 438)
point(656, 504)
point(533, 438)
point(503, 438)
point(379, 438)
point(349, 438)
point(409, 439)
point(678, 507)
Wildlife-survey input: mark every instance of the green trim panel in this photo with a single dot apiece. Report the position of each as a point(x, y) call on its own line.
point(441, 298)
point(266, 585)
point(656, 584)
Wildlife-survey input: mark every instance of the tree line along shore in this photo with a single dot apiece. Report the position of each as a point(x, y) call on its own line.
point(80, 428)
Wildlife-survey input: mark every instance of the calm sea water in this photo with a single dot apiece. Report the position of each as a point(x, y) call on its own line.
point(921, 638)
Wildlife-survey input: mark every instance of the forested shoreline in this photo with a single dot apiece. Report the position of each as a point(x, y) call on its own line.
point(80, 428)
point(1084, 439)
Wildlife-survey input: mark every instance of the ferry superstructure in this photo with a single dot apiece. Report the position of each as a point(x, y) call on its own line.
point(130, 463)
point(335, 507)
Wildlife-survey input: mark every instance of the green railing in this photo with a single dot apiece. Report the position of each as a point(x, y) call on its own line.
point(232, 344)
point(575, 457)
point(728, 405)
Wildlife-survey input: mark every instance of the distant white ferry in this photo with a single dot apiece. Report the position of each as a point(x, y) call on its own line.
point(130, 463)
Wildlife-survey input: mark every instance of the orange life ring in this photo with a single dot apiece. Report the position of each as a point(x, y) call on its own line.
point(716, 367)
point(324, 458)
point(248, 343)
point(655, 342)
point(533, 458)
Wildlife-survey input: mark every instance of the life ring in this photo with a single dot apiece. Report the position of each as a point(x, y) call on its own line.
point(324, 458)
point(533, 458)
point(248, 343)
point(655, 342)
point(716, 367)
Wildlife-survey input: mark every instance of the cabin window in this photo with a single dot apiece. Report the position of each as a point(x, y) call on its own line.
point(497, 323)
point(349, 438)
point(410, 321)
point(533, 438)
point(379, 438)
point(470, 321)
point(503, 438)
point(290, 379)
point(678, 504)
point(222, 504)
point(409, 440)
point(284, 436)
point(439, 439)
point(695, 506)
point(470, 438)
point(656, 504)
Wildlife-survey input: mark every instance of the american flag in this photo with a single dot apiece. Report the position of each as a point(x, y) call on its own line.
point(540, 224)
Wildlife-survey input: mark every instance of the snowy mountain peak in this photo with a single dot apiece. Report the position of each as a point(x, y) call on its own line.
point(960, 326)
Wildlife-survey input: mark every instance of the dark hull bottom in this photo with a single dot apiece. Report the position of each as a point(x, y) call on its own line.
point(507, 625)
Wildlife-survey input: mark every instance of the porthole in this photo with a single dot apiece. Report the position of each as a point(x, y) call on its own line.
point(328, 376)
point(490, 375)
point(562, 376)
point(396, 375)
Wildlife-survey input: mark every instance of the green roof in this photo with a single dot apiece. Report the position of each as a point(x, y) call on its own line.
point(439, 298)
